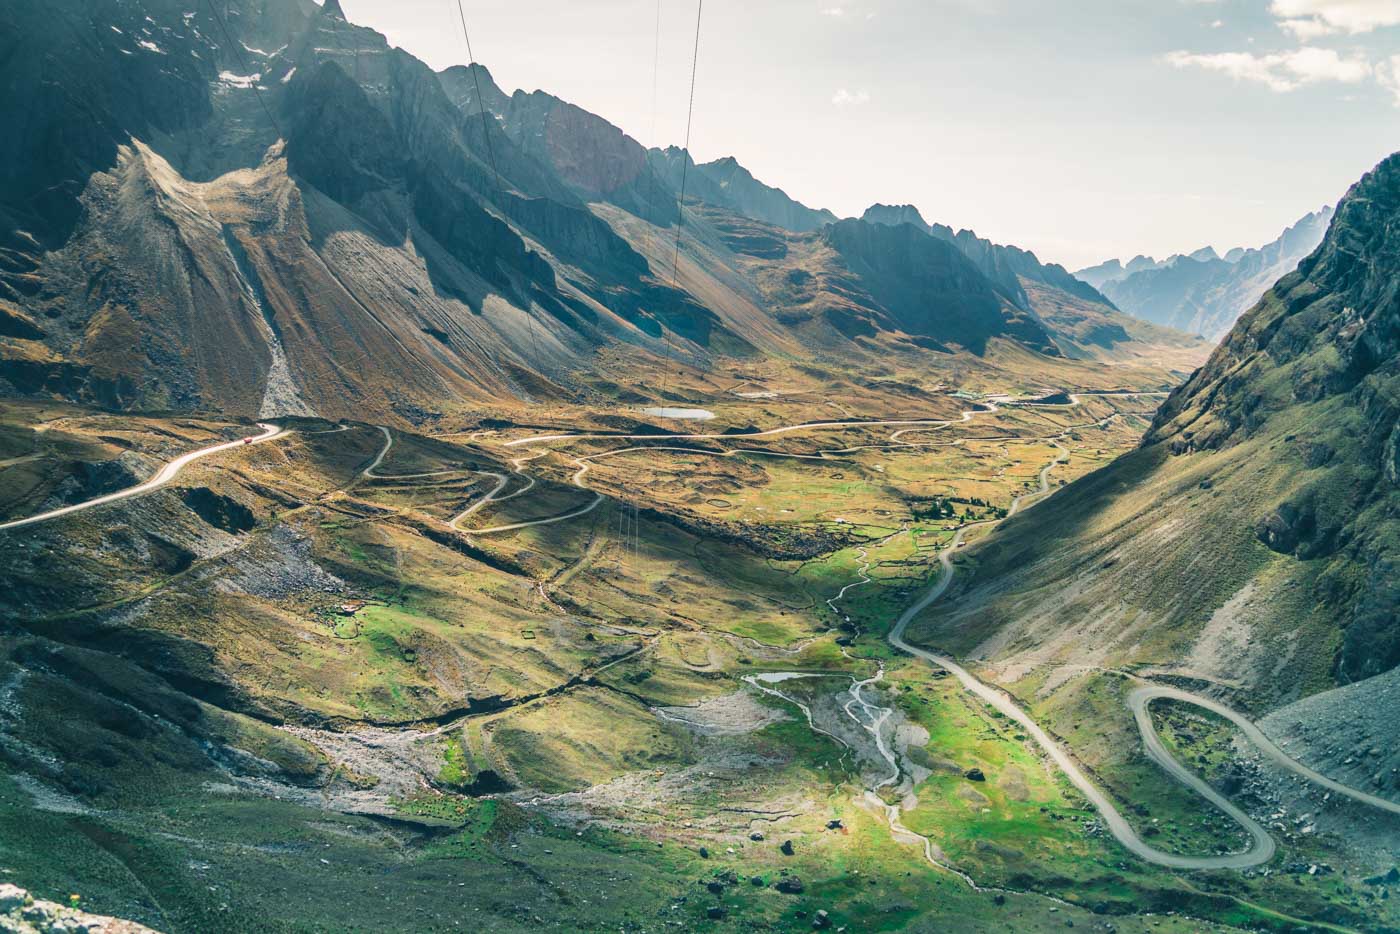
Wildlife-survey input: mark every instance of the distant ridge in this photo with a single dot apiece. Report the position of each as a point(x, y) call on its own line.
point(1005, 265)
point(726, 183)
point(1202, 292)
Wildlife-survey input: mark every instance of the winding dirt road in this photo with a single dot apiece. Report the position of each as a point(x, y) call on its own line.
point(584, 462)
point(1262, 846)
point(1141, 699)
point(166, 474)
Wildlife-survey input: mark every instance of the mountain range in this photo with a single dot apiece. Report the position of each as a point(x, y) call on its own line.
point(1203, 292)
point(269, 207)
point(482, 630)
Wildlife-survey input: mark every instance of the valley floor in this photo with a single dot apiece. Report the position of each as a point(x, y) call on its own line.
point(594, 669)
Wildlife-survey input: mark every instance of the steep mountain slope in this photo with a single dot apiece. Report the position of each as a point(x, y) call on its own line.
point(930, 288)
point(1202, 292)
point(594, 158)
point(1252, 541)
point(340, 247)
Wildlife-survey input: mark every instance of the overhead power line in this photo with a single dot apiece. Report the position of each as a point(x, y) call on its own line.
point(655, 73)
point(238, 51)
point(491, 157)
point(480, 100)
point(685, 167)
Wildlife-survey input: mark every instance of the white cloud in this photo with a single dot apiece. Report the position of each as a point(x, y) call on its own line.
point(1353, 16)
point(834, 11)
point(1305, 29)
point(1311, 65)
point(1388, 75)
point(1279, 71)
point(843, 98)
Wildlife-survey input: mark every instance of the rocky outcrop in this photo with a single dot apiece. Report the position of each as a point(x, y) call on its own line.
point(752, 198)
point(23, 913)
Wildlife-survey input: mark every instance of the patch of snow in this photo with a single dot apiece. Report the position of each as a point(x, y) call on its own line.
point(239, 81)
point(288, 76)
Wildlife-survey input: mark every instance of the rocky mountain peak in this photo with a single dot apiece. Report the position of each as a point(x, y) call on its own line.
point(895, 214)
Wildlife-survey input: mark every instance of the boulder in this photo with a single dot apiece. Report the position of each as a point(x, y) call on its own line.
point(12, 898)
point(1389, 878)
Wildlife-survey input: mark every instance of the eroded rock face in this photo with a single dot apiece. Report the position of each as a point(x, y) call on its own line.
point(220, 511)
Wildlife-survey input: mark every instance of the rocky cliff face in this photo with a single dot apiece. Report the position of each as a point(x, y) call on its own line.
point(1332, 327)
point(1321, 352)
point(78, 78)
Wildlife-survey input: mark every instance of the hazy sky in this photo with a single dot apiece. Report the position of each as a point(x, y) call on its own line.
point(1082, 129)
